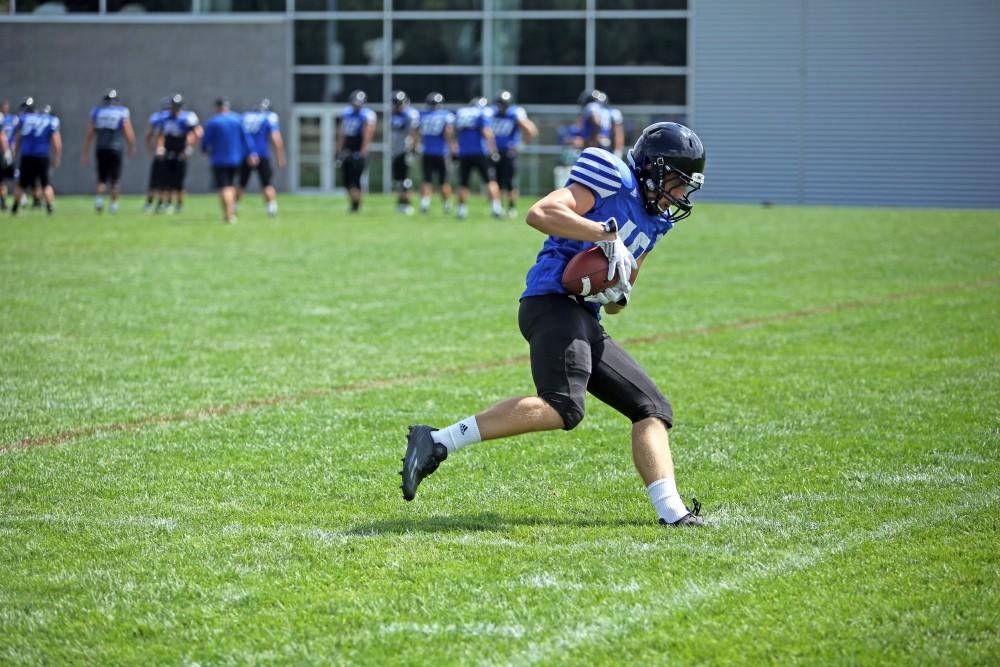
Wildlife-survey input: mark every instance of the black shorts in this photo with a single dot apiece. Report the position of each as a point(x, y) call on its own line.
point(224, 176)
point(480, 163)
point(109, 166)
point(353, 168)
point(263, 170)
point(571, 354)
point(174, 173)
point(156, 174)
point(7, 173)
point(401, 169)
point(34, 169)
point(507, 171)
point(435, 165)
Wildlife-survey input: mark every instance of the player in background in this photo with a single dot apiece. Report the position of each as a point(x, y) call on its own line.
point(263, 127)
point(509, 121)
point(404, 127)
point(8, 172)
point(155, 189)
point(624, 209)
point(617, 129)
point(39, 144)
point(112, 124)
point(179, 134)
point(354, 136)
point(437, 143)
point(477, 150)
point(228, 146)
point(595, 119)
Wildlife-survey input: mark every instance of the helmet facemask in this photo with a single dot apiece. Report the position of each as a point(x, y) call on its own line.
point(662, 180)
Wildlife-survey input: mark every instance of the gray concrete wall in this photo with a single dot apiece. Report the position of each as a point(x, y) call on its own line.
point(70, 65)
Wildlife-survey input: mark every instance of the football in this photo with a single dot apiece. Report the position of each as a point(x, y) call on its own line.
point(587, 273)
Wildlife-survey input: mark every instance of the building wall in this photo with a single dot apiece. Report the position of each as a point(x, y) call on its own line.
point(71, 65)
point(893, 102)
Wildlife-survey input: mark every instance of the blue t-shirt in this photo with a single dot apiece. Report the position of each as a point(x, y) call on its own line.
point(175, 130)
point(36, 133)
point(352, 124)
point(109, 123)
point(259, 125)
point(469, 123)
point(403, 122)
point(597, 117)
point(226, 141)
point(11, 122)
point(432, 130)
point(507, 128)
point(617, 195)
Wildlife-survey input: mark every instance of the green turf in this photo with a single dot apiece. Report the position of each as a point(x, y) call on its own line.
point(200, 428)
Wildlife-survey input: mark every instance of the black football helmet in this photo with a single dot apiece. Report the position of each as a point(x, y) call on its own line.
point(588, 96)
point(667, 155)
point(504, 99)
point(434, 100)
point(111, 95)
point(478, 101)
point(358, 98)
point(177, 101)
point(28, 104)
point(264, 104)
point(399, 99)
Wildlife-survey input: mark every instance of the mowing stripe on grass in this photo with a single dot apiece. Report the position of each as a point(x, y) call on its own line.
point(386, 383)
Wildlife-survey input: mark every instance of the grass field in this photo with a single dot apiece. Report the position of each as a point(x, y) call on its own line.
point(201, 426)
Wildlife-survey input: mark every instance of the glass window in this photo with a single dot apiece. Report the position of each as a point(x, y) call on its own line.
point(541, 88)
point(456, 88)
point(436, 5)
point(644, 89)
point(643, 42)
point(336, 87)
point(642, 4)
point(243, 5)
point(540, 4)
point(437, 42)
point(141, 6)
point(555, 42)
point(338, 42)
point(56, 6)
point(338, 5)
point(309, 173)
point(309, 138)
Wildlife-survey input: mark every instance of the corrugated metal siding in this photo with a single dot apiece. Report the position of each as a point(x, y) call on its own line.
point(881, 102)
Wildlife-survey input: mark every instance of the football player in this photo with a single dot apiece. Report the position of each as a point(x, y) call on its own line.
point(111, 123)
point(477, 150)
point(228, 146)
point(262, 125)
point(595, 119)
point(437, 143)
point(623, 208)
point(156, 187)
point(8, 123)
point(180, 132)
point(357, 128)
point(509, 121)
point(404, 128)
point(39, 144)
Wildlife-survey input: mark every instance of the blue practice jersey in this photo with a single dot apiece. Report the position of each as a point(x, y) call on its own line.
point(469, 124)
point(175, 130)
point(226, 140)
point(36, 133)
point(10, 124)
point(617, 195)
point(352, 124)
point(109, 125)
point(259, 125)
point(156, 119)
point(403, 122)
point(432, 130)
point(596, 115)
point(507, 128)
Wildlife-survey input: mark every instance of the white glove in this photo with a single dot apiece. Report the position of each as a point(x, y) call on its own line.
point(616, 295)
point(620, 260)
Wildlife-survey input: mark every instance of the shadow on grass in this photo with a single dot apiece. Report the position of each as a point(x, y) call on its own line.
point(484, 521)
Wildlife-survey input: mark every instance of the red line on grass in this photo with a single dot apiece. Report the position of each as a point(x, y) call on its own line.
point(386, 383)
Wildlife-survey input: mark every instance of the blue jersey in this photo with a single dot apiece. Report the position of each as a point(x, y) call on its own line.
point(617, 195)
point(469, 124)
point(507, 128)
point(597, 117)
point(432, 131)
point(156, 119)
point(226, 140)
point(259, 125)
point(36, 133)
point(109, 125)
point(352, 124)
point(175, 130)
point(403, 122)
point(10, 124)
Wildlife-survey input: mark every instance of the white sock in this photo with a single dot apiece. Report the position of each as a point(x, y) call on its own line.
point(425, 203)
point(666, 500)
point(113, 207)
point(99, 201)
point(272, 207)
point(458, 435)
point(497, 207)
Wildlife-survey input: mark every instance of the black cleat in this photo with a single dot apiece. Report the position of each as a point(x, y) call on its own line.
point(692, 518)
point(423, 456)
